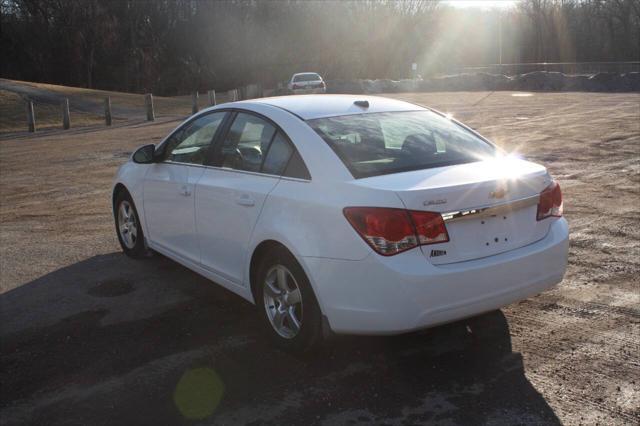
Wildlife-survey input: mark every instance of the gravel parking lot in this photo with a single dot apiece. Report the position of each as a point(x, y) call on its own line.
point(88, 336)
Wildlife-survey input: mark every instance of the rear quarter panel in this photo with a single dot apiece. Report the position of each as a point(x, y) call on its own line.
point(307, 217)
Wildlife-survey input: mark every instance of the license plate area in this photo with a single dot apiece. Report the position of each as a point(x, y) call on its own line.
point(483, 235)
point(494, 231)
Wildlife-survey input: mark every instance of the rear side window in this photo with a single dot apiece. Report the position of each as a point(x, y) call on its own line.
point(283, 159)
point(306, 77)
point(296, 168)
point(253, 144)
point(277, 156)
point(246, 142)
point(383, 143)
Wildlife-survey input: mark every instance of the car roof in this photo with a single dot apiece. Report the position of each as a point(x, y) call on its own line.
point(304, 73)
point(309, 107)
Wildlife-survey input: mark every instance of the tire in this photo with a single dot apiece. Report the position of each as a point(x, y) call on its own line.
point(278, 306)
point(128, 228)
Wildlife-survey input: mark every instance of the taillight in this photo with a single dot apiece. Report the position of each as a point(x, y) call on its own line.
point(430, 227)
point(550, 203)
point(391, 231)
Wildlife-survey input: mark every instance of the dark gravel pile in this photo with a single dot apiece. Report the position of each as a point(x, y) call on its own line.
point(534, 81)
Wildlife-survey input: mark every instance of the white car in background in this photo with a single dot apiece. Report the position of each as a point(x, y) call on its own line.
point(351, 214)
point(306, 83)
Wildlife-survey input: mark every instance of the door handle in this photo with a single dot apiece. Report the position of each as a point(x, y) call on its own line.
point(245, 200)
point(184, 190)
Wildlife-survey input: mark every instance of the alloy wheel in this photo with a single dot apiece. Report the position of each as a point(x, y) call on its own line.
point(127, 224)
point(283, 301)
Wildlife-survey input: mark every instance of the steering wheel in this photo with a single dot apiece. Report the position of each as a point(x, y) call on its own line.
point(237, 160)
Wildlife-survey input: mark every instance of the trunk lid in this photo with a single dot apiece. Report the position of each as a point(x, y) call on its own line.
point(489, 207)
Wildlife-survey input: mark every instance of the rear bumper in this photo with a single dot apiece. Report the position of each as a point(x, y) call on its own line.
point(391, 295)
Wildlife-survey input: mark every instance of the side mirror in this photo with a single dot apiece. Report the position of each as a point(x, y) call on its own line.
point(144, 154)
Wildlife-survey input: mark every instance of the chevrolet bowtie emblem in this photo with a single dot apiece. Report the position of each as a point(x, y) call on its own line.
point(498, 193)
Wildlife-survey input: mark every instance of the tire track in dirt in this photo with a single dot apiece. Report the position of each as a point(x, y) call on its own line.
point(560, 350)
point(585, 307)
point(577, 332)
point(580, 402)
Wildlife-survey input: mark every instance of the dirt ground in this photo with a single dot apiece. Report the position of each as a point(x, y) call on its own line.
point(88, 336)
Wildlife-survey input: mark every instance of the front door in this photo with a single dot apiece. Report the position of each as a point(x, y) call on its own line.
point(169, 187)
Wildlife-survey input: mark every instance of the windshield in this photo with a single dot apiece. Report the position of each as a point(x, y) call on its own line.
point(306, 77)
point(383, 143)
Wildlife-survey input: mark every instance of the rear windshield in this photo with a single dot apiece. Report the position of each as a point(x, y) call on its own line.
point(392, 142)
point(306, 77)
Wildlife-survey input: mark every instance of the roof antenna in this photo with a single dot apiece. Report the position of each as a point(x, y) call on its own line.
point(363, 104)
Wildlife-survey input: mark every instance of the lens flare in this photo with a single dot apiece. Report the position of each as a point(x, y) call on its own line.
point(198, 393)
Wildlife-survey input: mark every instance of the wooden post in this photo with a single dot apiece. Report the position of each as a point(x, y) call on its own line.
point(66, 121)
point(231, 95)
point(253, 91)
point(212, 97)
point(31, 117)
point(194, 102)
point(107, 110)
point(148, 101)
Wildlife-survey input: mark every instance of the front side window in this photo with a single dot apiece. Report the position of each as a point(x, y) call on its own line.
point(383, 143)
point(192, 142)
point(246, 143)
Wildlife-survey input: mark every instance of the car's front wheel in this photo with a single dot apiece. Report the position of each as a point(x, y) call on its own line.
point(128, 226)
point(288, 307)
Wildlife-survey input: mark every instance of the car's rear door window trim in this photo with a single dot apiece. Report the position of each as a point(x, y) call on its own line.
point(225, 127)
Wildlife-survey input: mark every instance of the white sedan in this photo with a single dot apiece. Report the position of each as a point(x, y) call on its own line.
point(306, 83)
point(345, 214)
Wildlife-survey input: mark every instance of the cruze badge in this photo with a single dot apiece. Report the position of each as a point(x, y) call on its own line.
point(434, 202)
point(498, 193)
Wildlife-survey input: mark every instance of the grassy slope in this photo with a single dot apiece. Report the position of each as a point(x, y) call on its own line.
point(163, 105)
point(13, 116)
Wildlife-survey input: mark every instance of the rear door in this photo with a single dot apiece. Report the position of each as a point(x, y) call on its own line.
point(169, 187)
point(247, 164)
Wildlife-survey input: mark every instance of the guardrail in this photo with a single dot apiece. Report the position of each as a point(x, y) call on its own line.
point(245, 92)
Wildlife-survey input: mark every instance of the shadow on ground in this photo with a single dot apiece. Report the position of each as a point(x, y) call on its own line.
point(113, 341)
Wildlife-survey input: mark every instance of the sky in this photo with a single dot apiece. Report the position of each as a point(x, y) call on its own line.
point(481, 4)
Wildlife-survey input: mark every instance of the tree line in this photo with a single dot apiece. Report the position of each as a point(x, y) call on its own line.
point(175, 46)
